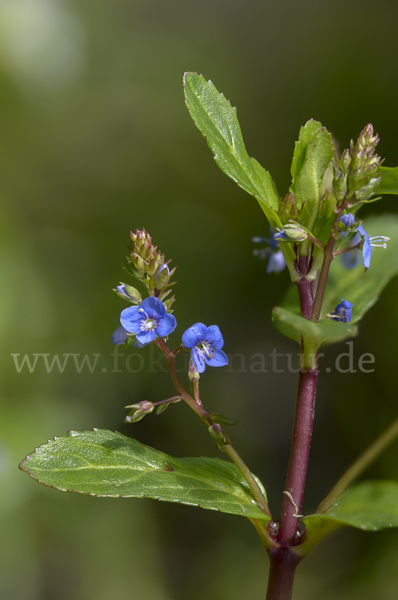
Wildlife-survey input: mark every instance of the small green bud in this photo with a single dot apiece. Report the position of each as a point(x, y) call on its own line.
point(366, 138)
point(346, 161)
point(340, 185)
point(288, 208)
point(193, 373)
point(292, 232)
point(139, 411)
point(129, 293)
point(219, 436)
point(370, 187)
point(139, 262)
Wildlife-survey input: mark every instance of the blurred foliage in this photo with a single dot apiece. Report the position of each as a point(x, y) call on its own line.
point(95, 141)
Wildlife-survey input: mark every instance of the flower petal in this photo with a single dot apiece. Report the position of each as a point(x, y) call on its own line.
point(165, 325)
point(198, 360)
point(119, 336)
point(146, 337)
point(195, 334)
point(138, 344)
point(276, 262)
point(131, 319)
point(214, 337)
point(219, 359)
point(153, 307)
point(366, 249)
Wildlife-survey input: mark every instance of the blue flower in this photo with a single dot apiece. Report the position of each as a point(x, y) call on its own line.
point(347, 220)
point(205, 344)
point(379, 241)
point(147, 321)
point(351, 259)
point(276, 261)
point(342, 312)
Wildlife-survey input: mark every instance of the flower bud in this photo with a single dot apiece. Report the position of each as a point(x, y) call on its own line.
point(288, 208)
point(219, 436)
point(345, 161)
point(292, 232)
point(368, 189)
point(340, 185)
point(128, 292)
point(139, 411)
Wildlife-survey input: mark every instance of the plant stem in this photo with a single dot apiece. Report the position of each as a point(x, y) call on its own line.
point(245, 471)
point(362, 463)
point(323, 277)
point(204, 415)
point(299, 454)
point(305, 288)
point(283, 563)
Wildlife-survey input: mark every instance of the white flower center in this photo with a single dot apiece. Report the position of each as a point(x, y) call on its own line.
point(206, 349)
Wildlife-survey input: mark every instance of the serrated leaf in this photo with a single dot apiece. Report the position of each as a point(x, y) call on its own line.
point(216, 119)
point(325, 332)
point(107, 464)
point(360, 288)
point(307, 184)
point(307, 132)
point(389, 181)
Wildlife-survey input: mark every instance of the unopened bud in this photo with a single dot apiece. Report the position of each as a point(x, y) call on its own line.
point(219, 436)
point(340, 185)
point(368, 189)
point(292, 232)
point(193, 373)
point(288, 208)
point(345, 161)
point(139, 411)
point(128, 292)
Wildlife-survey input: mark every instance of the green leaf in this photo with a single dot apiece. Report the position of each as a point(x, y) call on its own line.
point(217, 121)
point(300, 149)
point(389, 180)
point(107, 464)
point(370, 506)
point(223, 420)
point(325, 332)
point(307, 185)
point(360, 288)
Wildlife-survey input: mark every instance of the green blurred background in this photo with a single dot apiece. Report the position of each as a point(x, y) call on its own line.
point(95, 141)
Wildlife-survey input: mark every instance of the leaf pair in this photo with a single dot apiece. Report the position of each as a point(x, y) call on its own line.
point(107, 464)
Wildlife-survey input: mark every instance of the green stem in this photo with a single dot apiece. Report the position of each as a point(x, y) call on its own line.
point(323, 277)
point(204, 415)
point(360, 465)
point(246, 473)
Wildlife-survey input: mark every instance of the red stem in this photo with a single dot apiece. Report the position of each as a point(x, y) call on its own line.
point(283, 563)
point(302, 430)
point(297, 470)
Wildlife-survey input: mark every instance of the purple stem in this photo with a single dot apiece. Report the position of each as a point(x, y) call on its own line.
point(283, 563)
point(297, 470)
point(302, 430)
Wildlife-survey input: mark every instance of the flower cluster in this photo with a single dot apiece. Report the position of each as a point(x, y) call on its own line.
point(148, 265)
point(356, 175)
